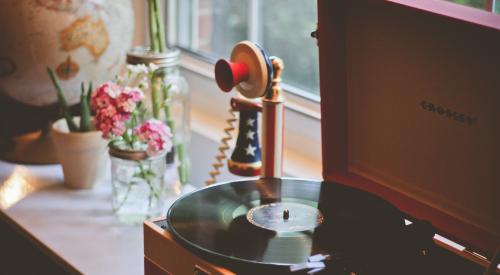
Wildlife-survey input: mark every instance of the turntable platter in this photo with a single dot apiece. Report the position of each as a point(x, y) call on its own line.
point(243, 224)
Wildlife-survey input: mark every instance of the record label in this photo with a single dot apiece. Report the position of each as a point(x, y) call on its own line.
point(285, 217)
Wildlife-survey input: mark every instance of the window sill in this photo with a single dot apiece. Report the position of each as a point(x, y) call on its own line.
point(295, 164)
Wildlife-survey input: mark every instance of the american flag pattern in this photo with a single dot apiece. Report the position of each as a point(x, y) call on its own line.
point(246, 157)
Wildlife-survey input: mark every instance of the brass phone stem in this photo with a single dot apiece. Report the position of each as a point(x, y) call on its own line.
point(273, 110)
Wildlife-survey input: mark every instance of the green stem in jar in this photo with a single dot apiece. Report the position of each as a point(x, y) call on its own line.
point(183, 168)
point(128, 140)
point(180, 148)
point(129, 187)
point(153, 27)
point(156, 85)
point(144, 174)
point(160, 28)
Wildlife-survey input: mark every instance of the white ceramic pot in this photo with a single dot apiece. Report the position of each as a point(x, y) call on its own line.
point(83, 156)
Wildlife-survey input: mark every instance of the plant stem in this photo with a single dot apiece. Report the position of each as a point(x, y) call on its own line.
point(153, 27)
point(143, 174)
point(129, 187)
point(180, 148)
point(160, 28)
point(127, 139)
point(183, 168)
point(156, 84)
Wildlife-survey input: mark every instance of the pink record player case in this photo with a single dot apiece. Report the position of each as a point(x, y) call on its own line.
point(410, 98)
point(410, 111)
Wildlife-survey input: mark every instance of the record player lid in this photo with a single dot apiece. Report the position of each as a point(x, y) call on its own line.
point(410, 105)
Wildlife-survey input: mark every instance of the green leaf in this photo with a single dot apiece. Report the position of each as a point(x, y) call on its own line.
point(62, 101)
point(89, 93)
point(85, 124)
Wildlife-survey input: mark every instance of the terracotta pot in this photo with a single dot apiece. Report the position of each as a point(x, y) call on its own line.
point(83, 156)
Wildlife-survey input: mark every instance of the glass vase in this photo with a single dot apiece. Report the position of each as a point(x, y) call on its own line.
point(138, 185)
point(171, 88)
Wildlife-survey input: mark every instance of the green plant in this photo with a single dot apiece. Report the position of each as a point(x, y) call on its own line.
point(160, 92)
point(85, 113)
point(156, 28)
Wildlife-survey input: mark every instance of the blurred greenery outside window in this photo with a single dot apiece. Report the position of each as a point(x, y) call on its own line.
point(282, 27)
point(489, 5)
point(210, 28)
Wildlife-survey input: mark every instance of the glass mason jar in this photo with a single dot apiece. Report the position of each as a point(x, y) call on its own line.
point(170, 86)
point(138, 185)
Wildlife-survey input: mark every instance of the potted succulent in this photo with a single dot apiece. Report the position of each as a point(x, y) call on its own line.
point(80, 149)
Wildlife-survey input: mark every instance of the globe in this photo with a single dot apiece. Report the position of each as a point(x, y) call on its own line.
point(81, 40)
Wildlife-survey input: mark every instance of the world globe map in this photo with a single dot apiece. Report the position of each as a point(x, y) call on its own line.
point(82, 40)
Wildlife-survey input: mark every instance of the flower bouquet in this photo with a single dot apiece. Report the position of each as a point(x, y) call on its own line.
point(138, 145)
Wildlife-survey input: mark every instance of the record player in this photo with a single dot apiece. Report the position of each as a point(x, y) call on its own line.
point(411, 156)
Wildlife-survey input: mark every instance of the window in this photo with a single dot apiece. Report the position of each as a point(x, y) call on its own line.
point(211, 28)
point(489, 5)
point(207, 30)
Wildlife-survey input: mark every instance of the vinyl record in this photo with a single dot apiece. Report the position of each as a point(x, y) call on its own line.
point(266, 225)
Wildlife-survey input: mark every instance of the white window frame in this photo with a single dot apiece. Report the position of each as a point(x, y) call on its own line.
point(302, 155)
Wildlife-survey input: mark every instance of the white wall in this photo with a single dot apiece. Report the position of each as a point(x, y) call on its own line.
point(140, 31)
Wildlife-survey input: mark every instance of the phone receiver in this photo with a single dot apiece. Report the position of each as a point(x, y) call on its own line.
point(249, 70)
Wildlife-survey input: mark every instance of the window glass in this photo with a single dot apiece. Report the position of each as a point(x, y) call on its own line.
point(471, 3)
point(489, 5)
point(212, 26)
point(282, 27)
point(287, 25)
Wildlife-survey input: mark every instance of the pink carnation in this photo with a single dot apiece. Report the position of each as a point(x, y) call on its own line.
point(101, 97)
point(109, 124)
point(113, 105)
point(156, 135)
point(127, 100)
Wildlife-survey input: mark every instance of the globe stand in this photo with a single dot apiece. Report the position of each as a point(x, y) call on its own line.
point(33, 148)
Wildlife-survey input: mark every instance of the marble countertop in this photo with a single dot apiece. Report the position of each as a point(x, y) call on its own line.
point(77, 226)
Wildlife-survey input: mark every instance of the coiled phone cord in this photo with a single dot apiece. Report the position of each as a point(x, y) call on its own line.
point(224, 146)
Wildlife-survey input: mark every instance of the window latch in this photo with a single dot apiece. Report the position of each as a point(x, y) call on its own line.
point(315, 34)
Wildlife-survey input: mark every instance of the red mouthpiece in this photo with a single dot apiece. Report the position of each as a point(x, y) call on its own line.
point(229, 74)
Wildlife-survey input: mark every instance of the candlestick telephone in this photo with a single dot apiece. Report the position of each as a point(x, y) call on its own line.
point(256, 77)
